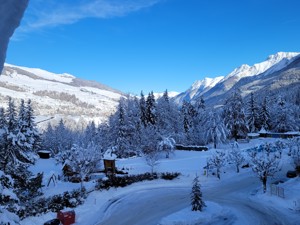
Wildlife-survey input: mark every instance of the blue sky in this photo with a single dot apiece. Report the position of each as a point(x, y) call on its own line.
point(135, 45)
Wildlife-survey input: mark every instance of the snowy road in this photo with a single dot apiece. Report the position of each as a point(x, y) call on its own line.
point(149, 206)
point(145, 207)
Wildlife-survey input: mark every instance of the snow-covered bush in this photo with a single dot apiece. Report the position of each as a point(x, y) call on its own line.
point(217, 161)
point(236, 157)
point(167, 145)
point(122, 181)
point(52, 204)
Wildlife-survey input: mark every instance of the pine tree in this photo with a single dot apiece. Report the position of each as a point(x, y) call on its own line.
point(121, 142)
point(215, 130)
point(234, 116)
point(264, 114)
point(2, 119)
point(11, 116)
point(284, 120)
point(188, 113)
point(199, 104)
point(11, 153)
point(163, 114)
point(252, 117)
point(90, 134)
point(143, 110)
point(32, 130)
point(196, 196)
point(27, 135)
point(151, 109)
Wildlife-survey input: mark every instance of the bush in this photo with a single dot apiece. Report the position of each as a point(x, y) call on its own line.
point(169, 176)
point(123, 181)
point(52, 204)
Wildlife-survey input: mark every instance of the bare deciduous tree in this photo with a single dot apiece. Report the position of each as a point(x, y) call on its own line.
point(265, 164)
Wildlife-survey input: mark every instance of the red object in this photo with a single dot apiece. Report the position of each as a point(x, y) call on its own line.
point(66, 217)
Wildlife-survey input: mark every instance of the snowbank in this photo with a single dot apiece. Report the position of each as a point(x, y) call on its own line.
point(212, 214)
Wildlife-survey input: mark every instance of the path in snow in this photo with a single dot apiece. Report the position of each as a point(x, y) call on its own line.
point(149, 206)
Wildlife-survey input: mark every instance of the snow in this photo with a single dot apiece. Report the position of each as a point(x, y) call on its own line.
point(235, 199)
point(11, 12)
point(109, 155)
point(8, 218)
point(213, 213)
point(64, 78)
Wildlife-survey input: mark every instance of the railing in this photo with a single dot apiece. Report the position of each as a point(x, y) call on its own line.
point(278, 191)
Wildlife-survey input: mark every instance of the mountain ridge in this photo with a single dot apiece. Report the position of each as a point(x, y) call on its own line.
point(61, 96)
point(273, 64)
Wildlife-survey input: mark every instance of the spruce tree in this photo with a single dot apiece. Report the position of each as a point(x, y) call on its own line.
point(215, 130)
point(196, 196)
point(151, 109)
point(252, 117)
point(264, 114)
point(234, 116)
point(143, 110)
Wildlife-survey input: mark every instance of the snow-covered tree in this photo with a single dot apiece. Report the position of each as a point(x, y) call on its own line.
point(188, 113)
point(167, 145)
point(122, 141)
point(8, 196)
point(89, 134)
point(234, 116)
point(236, 157)
point(149, 145)
point(152, 159)
point(294, 145)
point(84, 160)
point(215, 130)
point(143, 114)
point(283, 117)
point(217, 161)
point(27, 135)
point(12, 154)
point(264, 114)
point(199, 103)
point(163, 114)
point(252, 115)
point(196, 196)
point(134, 120)
point(151, 114)
point(264, 164)
point(123, 126)
point(2, 120)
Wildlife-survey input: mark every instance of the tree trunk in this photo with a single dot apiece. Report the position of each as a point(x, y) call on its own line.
point(264, 180)
point(237, 168)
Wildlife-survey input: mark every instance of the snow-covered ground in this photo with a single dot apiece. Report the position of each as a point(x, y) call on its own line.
point(235, 199)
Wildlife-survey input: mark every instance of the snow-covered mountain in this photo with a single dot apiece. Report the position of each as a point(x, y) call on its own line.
point(197, 89)
point(58, 95)
point(216, 91)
